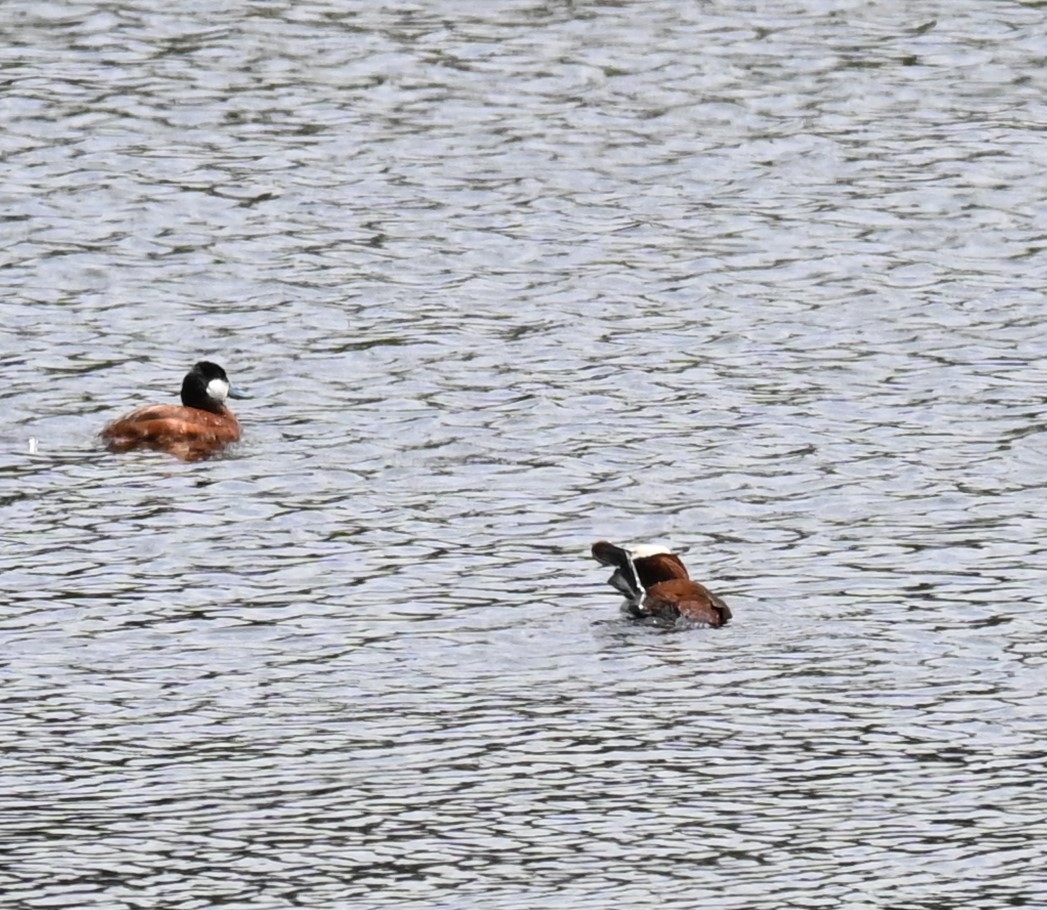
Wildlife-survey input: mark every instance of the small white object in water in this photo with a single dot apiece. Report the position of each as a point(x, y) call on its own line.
point(32, 445)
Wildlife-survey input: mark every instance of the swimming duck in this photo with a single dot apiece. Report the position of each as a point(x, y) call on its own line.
point(656, 585)
point(200, 426)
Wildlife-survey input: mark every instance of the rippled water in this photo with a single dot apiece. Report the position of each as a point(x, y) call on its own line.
point(504, 279)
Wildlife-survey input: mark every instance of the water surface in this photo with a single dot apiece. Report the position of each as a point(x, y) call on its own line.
point(504, 280)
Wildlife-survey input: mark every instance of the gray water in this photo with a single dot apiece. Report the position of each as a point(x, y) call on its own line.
point(763, 281)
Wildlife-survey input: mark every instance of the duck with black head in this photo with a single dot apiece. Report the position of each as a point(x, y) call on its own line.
point(201, 426)
point(656, 585)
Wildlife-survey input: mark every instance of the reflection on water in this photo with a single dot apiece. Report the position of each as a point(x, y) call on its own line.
point(505, 281)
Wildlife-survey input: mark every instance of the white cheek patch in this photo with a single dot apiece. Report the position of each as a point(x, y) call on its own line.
point(218, 389)
point(651, 549)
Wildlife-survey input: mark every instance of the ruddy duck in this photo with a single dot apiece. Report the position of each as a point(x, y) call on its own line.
point(201, 426)
point(655, 584)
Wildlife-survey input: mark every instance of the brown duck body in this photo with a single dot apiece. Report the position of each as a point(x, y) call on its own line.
point(200, 426)
point(656, 584)
point(186, 433)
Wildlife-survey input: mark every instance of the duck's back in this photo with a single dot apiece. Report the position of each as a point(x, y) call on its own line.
point(185, 432)
point(684, 598)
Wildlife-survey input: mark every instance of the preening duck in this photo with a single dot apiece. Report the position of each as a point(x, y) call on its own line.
point(655, 583)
